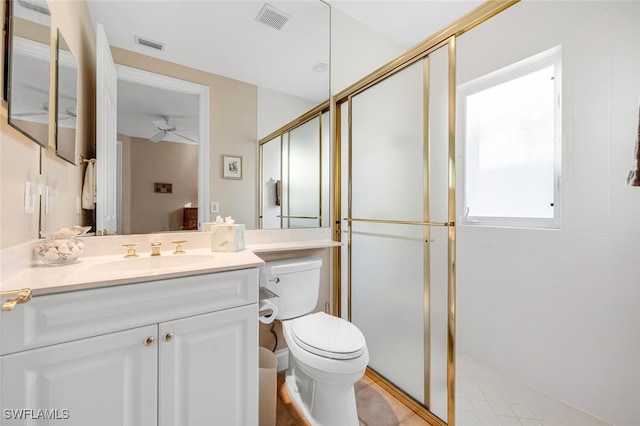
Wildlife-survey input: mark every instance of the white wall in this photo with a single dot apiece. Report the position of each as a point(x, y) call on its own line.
point(357, 50)
point(275, 109)
point(560, 309)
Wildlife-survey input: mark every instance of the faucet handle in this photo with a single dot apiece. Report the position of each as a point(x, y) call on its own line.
point(131, 250)
point(155, 248)
point(179, 248)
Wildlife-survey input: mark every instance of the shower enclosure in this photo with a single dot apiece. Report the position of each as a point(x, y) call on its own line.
point(395, 210)
point(398, 223)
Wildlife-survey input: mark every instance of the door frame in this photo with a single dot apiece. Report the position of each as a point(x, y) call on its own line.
point(147, 78)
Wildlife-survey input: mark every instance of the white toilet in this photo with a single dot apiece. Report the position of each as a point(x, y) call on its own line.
point(327, 355)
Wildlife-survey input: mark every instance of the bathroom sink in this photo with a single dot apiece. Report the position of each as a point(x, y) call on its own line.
point(155, 263)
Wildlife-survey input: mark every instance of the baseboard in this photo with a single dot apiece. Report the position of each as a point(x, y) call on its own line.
point(283, 359)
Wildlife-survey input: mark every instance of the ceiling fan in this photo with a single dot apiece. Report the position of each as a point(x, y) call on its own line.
point(67, 114)
point(164, 127)
point(39, 110)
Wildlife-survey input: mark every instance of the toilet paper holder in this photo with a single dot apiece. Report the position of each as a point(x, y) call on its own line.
point(265, 313)
point(264, 294)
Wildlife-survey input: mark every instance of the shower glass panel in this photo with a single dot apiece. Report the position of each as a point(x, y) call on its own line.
point(398, 209)
point(387, 300)
point(303, 210)
point(387, 148)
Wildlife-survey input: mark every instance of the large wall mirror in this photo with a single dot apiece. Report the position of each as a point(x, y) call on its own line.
point(66, 101)
point(29, 63)
point(261, 74)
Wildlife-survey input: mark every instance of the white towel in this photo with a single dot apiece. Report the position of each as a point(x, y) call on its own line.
point(89, 187)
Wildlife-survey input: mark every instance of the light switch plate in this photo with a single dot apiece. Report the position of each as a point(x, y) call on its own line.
point(215, 207)
point(29, 198)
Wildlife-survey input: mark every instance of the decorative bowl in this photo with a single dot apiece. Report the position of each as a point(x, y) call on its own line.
point(60, 251)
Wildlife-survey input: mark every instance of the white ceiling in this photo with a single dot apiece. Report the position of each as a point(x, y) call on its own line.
point(224, 38)
point(407, 22)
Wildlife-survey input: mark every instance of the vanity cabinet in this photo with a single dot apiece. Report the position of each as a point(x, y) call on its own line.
point(204, 363)
point(103, 380)
point(181, 351)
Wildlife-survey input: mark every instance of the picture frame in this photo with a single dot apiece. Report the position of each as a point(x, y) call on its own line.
point(163, 188)
point(232, 166)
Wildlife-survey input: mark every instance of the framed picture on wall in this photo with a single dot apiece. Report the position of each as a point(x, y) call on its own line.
point(231, 167)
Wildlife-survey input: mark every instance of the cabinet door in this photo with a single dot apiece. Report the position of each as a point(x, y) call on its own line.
point(208, 372)
point(108, 380)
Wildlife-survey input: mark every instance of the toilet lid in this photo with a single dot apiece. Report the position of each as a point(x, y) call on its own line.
point(328, 336)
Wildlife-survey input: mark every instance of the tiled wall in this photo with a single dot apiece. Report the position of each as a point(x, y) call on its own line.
point(560, 309)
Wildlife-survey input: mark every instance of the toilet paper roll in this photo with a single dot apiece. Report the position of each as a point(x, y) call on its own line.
point(267, 305)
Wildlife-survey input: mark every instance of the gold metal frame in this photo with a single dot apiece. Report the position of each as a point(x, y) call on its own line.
point(426, 233)
point(446, 36)
point(321, 108)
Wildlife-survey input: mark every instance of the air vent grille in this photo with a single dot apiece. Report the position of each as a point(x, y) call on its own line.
point(149, 43)
point(272, 17)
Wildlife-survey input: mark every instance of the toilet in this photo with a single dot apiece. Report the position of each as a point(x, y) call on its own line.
point(327, 355)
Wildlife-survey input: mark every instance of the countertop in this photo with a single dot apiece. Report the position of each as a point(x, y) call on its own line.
point(102, 264)
point(100, 271)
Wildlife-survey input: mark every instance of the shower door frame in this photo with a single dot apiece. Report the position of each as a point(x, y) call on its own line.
point(446, 37)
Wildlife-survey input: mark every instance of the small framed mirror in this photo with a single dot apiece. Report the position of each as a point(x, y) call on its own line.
point(66, 101)
point(29, 64)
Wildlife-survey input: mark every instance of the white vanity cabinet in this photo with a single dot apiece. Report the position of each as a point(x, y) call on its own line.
point(104, 380)
point(181, 351)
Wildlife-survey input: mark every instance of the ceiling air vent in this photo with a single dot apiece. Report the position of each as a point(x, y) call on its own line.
point(149, 43)
point(272, 17)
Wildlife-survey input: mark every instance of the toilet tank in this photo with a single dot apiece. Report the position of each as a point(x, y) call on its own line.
point(296, 282)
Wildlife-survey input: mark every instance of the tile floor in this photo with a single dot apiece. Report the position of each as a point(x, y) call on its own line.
point(484, 398)
point(375, 407)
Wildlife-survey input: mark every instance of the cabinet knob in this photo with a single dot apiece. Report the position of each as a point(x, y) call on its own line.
point(149, 341)
point(168, 337)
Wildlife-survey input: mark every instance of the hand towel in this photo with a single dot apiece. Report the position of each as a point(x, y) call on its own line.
point(89, 187)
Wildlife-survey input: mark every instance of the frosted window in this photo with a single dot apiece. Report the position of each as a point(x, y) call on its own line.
point(511, 143)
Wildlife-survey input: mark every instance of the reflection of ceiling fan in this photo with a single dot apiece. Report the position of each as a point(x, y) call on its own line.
point(165, 128)
point(41, 110)
point(67, 114)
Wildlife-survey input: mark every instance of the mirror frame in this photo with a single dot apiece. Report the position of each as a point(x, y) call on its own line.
point(11, 37)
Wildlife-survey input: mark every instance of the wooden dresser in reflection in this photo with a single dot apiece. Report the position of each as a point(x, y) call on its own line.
point(190, 218)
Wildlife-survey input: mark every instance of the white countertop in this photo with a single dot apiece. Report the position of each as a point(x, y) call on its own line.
point(103, 264)
point(100, 271)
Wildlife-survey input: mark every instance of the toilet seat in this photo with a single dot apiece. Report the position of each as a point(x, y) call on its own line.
point(328, 336)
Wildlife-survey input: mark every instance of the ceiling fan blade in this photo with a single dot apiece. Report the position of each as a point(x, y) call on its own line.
point(28, 114)
point(165, 125)
point(157, 137)
point(185, 137)
point(161, 124)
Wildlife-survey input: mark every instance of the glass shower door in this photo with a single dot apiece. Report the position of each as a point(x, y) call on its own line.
point(398, 234)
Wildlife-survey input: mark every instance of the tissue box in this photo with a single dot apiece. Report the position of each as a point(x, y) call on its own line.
point(225, 237)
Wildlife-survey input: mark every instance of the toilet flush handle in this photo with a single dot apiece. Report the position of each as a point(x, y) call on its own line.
point(275, 280)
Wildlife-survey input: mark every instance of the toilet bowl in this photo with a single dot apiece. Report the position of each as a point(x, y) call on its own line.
point(327, 354)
